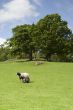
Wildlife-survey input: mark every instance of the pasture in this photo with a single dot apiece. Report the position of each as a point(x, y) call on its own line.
point(51, 86)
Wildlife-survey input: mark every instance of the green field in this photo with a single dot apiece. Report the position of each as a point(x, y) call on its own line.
point(51, 86)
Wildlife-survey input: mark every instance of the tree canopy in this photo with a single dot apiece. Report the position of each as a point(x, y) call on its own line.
point(49, 36)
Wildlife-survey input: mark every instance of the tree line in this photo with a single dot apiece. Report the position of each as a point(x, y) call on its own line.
point(49, 39)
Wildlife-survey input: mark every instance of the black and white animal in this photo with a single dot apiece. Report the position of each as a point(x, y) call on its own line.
point(24, 77)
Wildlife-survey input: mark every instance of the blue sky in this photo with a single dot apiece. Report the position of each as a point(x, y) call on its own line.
point(17, 12)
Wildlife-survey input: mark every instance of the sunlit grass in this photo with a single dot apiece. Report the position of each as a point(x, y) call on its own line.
point(51, 86)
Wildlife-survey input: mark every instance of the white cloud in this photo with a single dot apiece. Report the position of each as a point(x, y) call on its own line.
point(17, 9)
point(38, 2)
point(2, 40)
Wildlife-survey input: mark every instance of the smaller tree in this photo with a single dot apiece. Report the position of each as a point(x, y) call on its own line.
point(4, 52)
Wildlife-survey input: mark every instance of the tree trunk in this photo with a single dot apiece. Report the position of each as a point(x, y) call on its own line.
point(48, 57)
point(30, 55)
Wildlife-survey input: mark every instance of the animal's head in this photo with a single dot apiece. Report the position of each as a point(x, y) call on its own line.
point(18, 73)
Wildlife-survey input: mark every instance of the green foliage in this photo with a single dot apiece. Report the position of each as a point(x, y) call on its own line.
point(23, 40)
point(50, 34)
point(4, 53)
point(55, 35)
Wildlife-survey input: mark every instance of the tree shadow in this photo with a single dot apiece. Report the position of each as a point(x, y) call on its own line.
point(31, 82)
point(21, 61)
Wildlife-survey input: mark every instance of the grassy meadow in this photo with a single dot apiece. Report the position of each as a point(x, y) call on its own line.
point(51, 86)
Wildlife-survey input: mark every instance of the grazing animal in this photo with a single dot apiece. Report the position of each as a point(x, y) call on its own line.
point(24, 77)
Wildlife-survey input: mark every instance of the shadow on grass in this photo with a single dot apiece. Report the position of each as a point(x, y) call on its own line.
point(31, 82)
point(28, 83)
point(22, 60)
